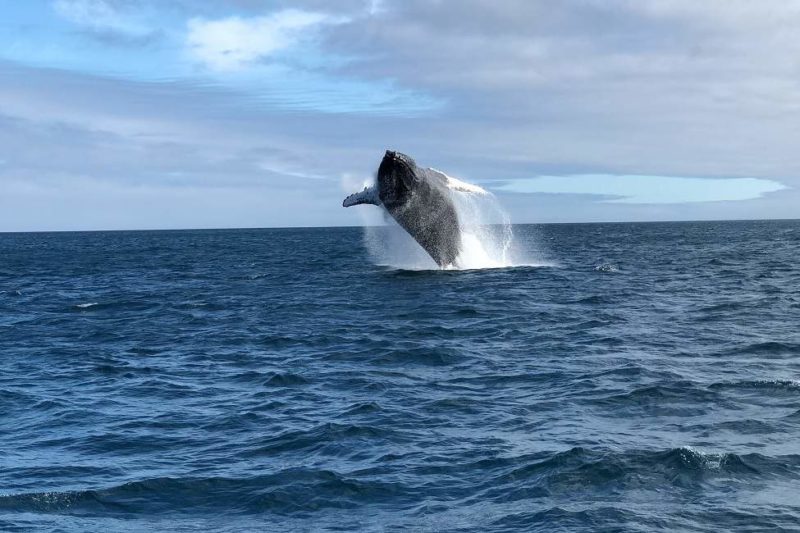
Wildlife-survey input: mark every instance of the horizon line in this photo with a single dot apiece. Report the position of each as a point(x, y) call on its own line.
point(8, 232)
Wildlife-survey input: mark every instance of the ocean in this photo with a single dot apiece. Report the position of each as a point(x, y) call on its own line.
point(633, 377)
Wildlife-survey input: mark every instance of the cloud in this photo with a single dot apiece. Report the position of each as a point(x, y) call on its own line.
point(519, 44)
point(109, 153)
point(276, 58)
point(234, 43)
point(102, 17)
point(669, 87)
point(648, 189)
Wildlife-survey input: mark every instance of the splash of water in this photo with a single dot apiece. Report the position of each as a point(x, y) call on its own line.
point(487, 237)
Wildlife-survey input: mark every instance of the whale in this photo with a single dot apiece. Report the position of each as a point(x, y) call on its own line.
point(421, 201)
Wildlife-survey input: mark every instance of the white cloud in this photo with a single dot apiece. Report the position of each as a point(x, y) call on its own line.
point(234, 43)
point(98, 15)
point(375, 6)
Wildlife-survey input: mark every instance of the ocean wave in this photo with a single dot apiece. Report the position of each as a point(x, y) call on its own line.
point(768, 348)
point(12, 292)
point(673, 398)
point(288, 491)
point(597, 470)
point(606, 268)
point(284, 379)
point(331, 438)
point(595, 299)
point(420, 355)
point(140, 303)
point(560, 519)
point(722, 307)
point(764, 391)
point(767, 384)
point(539, 476)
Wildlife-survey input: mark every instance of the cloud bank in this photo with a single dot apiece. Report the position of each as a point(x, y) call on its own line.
point(185, 99)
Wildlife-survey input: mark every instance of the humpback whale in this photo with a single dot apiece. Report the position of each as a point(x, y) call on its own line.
point(420, 200)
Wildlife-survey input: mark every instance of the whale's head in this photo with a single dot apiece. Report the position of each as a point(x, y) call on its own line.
point(397, 176)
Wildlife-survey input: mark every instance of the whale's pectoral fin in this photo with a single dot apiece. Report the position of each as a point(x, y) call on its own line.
point(368, 196)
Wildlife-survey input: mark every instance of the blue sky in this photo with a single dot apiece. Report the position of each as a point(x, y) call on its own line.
point(120, 114)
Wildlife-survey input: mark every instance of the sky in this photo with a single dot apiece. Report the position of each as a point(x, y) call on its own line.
point(145, 114)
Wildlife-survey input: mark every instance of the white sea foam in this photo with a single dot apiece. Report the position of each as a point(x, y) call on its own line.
point(86, 305)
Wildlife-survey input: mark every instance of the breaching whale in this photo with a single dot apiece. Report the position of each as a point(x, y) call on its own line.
point(420, 200)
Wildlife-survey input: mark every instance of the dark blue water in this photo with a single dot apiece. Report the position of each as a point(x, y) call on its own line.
point(277, 380)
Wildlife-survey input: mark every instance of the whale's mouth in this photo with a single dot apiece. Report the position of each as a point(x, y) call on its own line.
point(397, 171)
point(398, 158)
